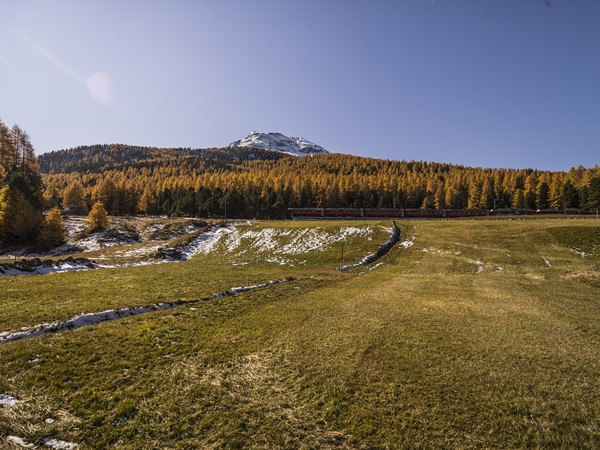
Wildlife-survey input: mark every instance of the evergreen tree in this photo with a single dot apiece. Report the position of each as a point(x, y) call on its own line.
point(530, 199)
point(542, 195)
point(594, 193)
point(569, 197)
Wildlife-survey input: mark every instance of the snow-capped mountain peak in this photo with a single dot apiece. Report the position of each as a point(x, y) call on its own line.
point(276, 141)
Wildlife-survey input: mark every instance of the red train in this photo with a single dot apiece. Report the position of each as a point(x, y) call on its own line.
point(349, 213)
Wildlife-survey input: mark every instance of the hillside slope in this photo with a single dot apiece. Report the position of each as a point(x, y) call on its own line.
point(467, 334)
point(105, 157)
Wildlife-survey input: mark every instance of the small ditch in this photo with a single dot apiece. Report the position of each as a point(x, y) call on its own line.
point(86, 320)
point(382, 250)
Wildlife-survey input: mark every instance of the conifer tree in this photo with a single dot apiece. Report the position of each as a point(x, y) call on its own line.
point(98, 218)
point(518, 199)
point(73, 194)
point(52, 230)
point(19, 219)
point(542, 195)
point(146, 203)
point(440, 196)
point(487, 193)
point(474, 195)
point(569, 196)
point(594, 193)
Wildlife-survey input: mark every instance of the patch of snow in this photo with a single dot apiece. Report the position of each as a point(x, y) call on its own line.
point(105, 238)
point(371, 268)
point(579, 252)
point(433, 251)
point(407, 242)
point(278, 142)
point(20, 442)
point(238, 290)
point(229, 240)
point(7, 401)
point(141, 251)
point(480, 266)
point(546, 261)
point(58, 445)
point(56, 268)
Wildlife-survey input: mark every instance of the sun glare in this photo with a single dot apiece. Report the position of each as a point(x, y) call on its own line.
point(100, 87)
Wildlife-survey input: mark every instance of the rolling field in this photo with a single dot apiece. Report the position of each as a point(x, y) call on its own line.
point(466, 334)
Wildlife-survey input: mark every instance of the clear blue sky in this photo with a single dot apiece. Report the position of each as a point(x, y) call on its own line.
point(494, 83)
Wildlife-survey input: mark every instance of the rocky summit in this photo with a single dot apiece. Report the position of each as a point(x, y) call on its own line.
point(278, 142)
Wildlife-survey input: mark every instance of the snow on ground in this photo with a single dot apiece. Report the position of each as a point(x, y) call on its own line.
point(579, 252)
point(406, 243)
point(52, 442)
point(275, 241)
point(371, 268)
point(434, 251)
point(7, 401)
point(481, 266)
point(57, 268)
point(105, 238)
point(275, 245)
point(20, 442)
point(547, 262)
point(85, 320)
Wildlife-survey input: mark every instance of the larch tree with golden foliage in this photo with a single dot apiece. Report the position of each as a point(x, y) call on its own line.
point(146, 203)
point(73, 194)
point(52, 230)
point(98, 218)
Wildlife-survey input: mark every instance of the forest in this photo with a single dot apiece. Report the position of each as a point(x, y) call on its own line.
point(254, 183)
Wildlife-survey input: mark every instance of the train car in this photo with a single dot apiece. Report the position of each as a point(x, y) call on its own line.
point(343, 212)
point(569, 211)
point(512, 212)
point(467, 212)
point(384, 212)
point(550, 211)
point(425, 213)
point(306, 213)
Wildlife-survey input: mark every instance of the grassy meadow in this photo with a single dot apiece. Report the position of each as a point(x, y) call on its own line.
point(483, 333)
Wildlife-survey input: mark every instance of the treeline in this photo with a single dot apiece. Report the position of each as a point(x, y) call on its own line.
point(21, 201)
point(185, 184)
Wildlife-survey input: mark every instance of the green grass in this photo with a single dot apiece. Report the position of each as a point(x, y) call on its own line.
point(425, 350)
